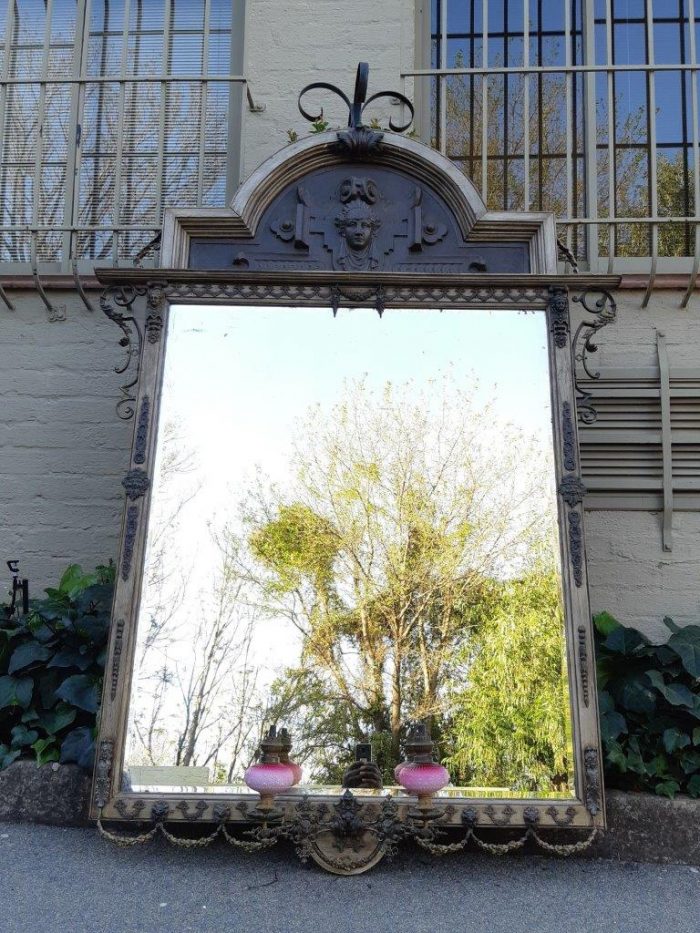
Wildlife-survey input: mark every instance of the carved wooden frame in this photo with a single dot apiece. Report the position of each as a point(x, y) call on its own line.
point(542, 289)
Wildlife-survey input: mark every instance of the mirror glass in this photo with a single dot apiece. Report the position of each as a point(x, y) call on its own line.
point(353, 528)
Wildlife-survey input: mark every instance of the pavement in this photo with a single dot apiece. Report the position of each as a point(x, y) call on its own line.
point(56, 880)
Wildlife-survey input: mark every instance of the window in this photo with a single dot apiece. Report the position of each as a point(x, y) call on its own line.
point(557, 104)
point(108, 114)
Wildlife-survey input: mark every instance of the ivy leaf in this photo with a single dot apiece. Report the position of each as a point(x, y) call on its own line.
point(45, 750)
point(674, 738)
point(693, 786)
point(626, 641)
point(687, 644)
point(74, 580)
point(27, 653)
point(71, 657)
point(696, 735)
point(55, 720)
point(671, 625)
point(15, 691)
point(79, 746)
point(616, 756)
point(656, 678)
point(612, 725)
point(21, 736)
point(605, 624)
point(638, 698)
point(690, 762)
point(80, 690)
point(667, 789)
point(678, 695)
point(8, 755)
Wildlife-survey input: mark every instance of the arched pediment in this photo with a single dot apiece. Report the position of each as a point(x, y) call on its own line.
point(360, 201)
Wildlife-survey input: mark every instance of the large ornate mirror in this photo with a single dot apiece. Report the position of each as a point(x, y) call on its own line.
point(352, 561)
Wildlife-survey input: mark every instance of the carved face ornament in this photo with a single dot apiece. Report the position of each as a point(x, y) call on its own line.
point(357, 223)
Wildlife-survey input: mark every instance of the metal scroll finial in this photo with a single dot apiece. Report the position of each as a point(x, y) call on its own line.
point(359, 103)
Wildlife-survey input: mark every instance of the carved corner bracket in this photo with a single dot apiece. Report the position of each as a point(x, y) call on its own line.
point(117, 303)
point(600, 305)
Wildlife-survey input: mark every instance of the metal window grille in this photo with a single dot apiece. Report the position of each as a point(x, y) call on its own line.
point(110, 110)
point(588, 108)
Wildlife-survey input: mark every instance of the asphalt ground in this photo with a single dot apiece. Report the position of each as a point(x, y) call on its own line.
point(55, 880)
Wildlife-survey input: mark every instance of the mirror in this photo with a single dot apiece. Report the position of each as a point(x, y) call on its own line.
point(353, 527)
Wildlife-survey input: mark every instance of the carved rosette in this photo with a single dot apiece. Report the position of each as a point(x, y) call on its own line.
point(136, 483)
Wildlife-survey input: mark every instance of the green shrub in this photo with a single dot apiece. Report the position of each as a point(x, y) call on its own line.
point(649, 699)
point(51, 668)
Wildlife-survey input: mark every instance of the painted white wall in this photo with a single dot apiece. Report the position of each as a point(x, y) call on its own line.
point(64, 450)
point(289, 46)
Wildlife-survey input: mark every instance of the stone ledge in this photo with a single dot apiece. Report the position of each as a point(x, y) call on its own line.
point(58, 795)
point(641, 827)
point(647, 828)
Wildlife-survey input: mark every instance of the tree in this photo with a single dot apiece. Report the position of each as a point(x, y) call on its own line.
point(511, 725)
point(400, 513)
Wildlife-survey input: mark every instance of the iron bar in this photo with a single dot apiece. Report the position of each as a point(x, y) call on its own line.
point(653, 170)
point(696, 153)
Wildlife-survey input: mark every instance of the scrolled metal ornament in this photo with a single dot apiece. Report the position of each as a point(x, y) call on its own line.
point(604, 311)
point(116, 302)
point(358, 141)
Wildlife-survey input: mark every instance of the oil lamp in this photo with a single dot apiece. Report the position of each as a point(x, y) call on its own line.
point(286, 740)
point(269, 776)
point(419, 774)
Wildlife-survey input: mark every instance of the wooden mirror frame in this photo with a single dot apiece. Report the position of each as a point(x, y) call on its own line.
point(138, 301)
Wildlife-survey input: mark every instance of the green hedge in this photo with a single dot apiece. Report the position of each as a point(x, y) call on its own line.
point(649, 699)
point(51, 668)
